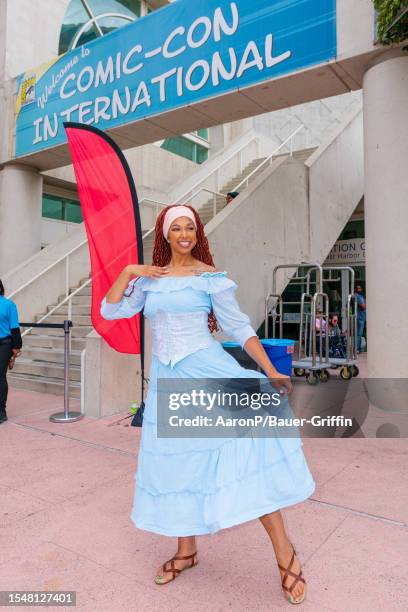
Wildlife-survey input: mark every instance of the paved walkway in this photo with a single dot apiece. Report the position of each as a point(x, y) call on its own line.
point(66, 494)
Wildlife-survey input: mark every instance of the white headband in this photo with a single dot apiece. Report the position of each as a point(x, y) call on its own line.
point(174, 213)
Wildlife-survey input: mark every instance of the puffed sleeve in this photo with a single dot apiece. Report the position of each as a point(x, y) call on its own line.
point(233, 322)
point(132, 302)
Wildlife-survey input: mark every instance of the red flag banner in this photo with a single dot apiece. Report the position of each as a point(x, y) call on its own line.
point(112, 220)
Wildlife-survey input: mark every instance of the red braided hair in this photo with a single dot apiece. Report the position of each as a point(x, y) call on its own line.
point(201, 251)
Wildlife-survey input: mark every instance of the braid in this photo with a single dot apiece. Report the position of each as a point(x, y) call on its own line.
point(201, 251)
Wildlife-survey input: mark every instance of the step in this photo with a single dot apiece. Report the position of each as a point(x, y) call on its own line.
point(42, 385)
point(208, 212)
point(232, 186)
point(51, 355)
point(78, 331)
point(45, 369)
point(44, 341)
point(77, 320)
point(210, 206)
point(77, 309)
point(304, 154)
point(77, 300)
point(85, 291)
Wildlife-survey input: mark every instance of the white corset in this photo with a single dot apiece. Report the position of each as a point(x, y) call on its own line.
point(178, 334)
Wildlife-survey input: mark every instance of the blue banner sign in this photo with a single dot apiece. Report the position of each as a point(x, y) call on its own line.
point(184, 53)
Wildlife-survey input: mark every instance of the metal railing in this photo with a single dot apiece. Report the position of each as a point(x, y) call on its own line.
point(269, 159)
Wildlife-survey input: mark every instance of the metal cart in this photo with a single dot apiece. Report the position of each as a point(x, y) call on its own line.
point(348, 364)
point(310, 363)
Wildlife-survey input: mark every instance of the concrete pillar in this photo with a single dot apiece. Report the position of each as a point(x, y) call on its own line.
point(20, 214)
point(385, 104)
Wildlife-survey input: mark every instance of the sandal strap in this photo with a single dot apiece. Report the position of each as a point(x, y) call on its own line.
point(181, 557)
point(173, 569)
point(288, 572)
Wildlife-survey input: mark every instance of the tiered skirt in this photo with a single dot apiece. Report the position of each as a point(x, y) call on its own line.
point(195, 486)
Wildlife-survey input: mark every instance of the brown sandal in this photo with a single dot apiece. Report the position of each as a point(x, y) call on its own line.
point(298, 578)
point(174, 569)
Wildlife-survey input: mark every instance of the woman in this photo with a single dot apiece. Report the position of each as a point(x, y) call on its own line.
point(189, 487)
point(10, 346)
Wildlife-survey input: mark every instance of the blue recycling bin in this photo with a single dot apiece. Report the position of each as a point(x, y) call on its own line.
point(279, 351)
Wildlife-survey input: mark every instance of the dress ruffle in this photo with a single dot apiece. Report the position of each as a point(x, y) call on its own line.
point(210, 470)
point(210, 282)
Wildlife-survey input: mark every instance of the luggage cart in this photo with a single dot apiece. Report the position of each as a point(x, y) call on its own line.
point(313, 366)
point(348, 364)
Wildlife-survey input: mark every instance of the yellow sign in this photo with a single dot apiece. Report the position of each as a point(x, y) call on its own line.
point(27, 91)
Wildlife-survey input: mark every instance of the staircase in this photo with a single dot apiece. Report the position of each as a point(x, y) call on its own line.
point(41, 364)
point(206, 211)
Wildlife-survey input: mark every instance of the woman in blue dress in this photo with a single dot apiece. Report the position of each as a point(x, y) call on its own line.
point(187, 487)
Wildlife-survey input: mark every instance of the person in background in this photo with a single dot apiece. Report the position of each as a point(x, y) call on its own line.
point(334, 327)
point(361, 314)
point(231, 195)
point(337, 342)
point(10, 346)
point(322, 333)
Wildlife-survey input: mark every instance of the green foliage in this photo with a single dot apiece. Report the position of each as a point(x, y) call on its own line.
point(389, 11)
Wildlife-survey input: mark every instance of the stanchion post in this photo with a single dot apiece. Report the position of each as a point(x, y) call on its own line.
point(66, 416)
point(66, 368)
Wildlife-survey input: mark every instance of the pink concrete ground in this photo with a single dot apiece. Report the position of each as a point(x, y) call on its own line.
point(66, 495)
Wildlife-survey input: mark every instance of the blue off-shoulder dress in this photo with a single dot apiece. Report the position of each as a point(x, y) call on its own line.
point(187, 486)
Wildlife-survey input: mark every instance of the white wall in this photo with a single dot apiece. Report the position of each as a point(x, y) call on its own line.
point(20, 214)
point(53, 230)
point(33, 29)
point(336, 183)
point(321, 120)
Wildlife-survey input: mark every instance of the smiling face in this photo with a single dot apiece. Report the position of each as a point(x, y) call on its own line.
point(182, 236)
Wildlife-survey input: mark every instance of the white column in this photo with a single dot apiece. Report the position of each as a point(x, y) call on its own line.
point(385, 99)
point(20, 214)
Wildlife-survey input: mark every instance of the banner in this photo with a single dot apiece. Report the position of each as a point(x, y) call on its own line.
point(184, 53)
point(111, 214)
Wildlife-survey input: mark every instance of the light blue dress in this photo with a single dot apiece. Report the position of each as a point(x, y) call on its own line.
point(197, 486)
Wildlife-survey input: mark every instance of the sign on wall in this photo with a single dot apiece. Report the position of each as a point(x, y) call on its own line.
point(179, 55)
point(347, 252)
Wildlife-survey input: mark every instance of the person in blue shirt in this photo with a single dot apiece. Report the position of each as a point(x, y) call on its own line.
point(10, 346)
point(361, 314)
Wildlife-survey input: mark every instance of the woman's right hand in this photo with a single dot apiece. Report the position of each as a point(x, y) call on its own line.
point(146, 271)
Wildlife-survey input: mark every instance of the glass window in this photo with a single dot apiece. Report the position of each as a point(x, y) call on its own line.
point(108, 24)
point(88, 19)
point(75, 17)
point(52, 207)
point(87, 35)
point(123, 7)
point(203, 133)
point(202, 154)
point(73, 212)
point(186, 148)
point(61, 209)
point(353, 229)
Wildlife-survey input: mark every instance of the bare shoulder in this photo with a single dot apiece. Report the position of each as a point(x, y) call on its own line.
point(207, 268)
